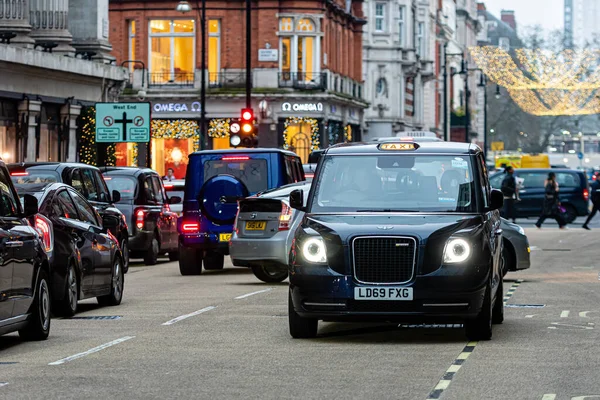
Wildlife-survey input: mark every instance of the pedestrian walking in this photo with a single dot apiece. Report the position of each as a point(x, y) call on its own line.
point(595, 190)
point(551, 208)
point(511, 194)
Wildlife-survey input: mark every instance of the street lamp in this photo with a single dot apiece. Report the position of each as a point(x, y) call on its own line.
point(446, 125)
point(483, 84)
point(183, 7)
point(497, 92)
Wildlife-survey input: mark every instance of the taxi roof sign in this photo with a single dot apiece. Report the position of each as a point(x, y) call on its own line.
point(398, 146)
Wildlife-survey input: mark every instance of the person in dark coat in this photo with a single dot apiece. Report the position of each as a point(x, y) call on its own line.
point(551, 203)
point(595, 191)
point(511, 194)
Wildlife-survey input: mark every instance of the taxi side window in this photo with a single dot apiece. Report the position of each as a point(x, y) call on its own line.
point(485, 183)
point(299, 170)
point(77, 181)
point(91, 192)
point(289, 171)
point(159, 194)
point(103, 193)
point(68, 207)
point(8, 204)
point(86, 212)
point(149, 190)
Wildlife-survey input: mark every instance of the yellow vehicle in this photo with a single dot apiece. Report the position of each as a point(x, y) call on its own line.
point(523, 161)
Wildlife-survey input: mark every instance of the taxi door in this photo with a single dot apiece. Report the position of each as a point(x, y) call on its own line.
point(6, 269)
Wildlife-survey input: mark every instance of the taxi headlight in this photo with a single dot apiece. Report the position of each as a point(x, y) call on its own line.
point(521, 230)
point(314, 251)
point(457, 250)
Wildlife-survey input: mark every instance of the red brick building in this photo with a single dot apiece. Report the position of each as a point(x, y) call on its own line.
point(306, 65)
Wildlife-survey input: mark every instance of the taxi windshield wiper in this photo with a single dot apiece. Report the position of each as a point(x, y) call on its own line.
point(386, 210)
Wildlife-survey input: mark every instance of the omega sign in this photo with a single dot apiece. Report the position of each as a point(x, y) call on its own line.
point(302, 107)
point(177, 107)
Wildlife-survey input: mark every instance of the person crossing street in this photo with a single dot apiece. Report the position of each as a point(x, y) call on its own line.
point(595, 192)
point(511, 194)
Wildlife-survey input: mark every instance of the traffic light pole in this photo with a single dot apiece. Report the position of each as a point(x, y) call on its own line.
point(248, 54)
point(202, 138)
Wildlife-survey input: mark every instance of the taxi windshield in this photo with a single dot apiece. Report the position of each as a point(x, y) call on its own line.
point(403, 183)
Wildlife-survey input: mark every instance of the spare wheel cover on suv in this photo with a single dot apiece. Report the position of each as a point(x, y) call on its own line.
point(210, 198)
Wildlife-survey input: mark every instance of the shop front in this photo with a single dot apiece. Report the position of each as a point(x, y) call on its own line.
point(9, 121)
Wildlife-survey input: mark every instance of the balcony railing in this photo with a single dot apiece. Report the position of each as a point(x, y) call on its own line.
point(179, 79)
point(227, 79)
point(303, 80)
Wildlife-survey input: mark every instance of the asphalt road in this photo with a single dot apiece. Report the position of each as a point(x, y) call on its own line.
point(224, 335)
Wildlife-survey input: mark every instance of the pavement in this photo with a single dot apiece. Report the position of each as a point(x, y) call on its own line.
point(224, 335)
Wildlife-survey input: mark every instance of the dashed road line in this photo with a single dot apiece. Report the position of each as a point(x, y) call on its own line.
point(565, 314)
point(253, 293)
point(549, 396)
point(3, 384)
point(186, 316)
point(91, 351)
point(512, 290)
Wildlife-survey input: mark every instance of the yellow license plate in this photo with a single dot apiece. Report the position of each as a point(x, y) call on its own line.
point(224, 237)
point(256, 225)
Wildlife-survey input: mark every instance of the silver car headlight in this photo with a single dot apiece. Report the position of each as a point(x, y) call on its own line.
point(314, 250)
point(457, 250)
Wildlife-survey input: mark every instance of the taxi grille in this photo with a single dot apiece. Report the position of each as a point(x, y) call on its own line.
point(384, 259)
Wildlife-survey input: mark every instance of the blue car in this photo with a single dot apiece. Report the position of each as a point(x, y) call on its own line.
point(215, 181)
point(573, 191)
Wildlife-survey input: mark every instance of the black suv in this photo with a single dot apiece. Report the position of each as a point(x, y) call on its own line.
point(87, 180)
point(412, 235)
point(24, 267)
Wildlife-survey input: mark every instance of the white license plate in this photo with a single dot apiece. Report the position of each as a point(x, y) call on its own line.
point(383, 293)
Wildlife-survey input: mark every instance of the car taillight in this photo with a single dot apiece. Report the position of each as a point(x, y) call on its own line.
point(586, 194)
point(285, 217)
point(139, 218)
point(45, 232)
point(190, 227)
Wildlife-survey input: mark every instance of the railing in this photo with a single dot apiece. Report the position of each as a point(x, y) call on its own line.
point(303, 80)
point(181, 79)
point(227, 79)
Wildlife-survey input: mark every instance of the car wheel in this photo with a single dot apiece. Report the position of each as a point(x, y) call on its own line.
point(498, 311)
point(67, 307)
point(270, 274)
point(151, 257)
point(301, 328)
point(213, 261)
point(38, 327)
point(125, 252)
point(173, 255)
point(190, 261)
point(508, 258)
point(570, 214)
point(480, 328)
point(116, 287)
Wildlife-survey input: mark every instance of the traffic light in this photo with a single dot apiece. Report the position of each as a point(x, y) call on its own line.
point(235, 138)
point(243, 132)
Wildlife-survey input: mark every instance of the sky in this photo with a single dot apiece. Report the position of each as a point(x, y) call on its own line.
point(547, 13)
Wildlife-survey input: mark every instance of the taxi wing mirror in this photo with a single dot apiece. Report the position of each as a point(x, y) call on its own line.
point(116, 196)
point(297, 199)
point(30, 205)
point(497, 200)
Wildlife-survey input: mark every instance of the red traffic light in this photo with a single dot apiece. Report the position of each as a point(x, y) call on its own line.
point(247, 114)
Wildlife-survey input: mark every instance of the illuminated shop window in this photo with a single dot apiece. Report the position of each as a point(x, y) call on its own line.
point(172, 51)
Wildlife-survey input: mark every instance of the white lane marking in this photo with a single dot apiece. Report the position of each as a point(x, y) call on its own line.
point(443, 385)
point(530, 316)
point(583, 267)
point(182, 317)
point(3, 384)
point(557, 324)
point(584, 314)
point(549, 396)
point(91, 351)
point(564, 314)
point(253, 293)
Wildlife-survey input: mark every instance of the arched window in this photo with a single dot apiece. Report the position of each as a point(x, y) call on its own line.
point(305, 25)
point(381, 88)
point(299, 58)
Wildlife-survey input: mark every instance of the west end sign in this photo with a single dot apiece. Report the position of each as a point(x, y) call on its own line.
point(287, 107)
point(176, 107)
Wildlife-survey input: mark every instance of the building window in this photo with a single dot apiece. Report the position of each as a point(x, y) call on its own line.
point(214, 50)
point(401, 24)
point(381, 88)
point(379, 17)
point(172, 51)
point(131, 44)
point(504, 43)
point(421, 39)
point(299, 55)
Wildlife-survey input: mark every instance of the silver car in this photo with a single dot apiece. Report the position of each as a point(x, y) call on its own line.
point(261, 238)
point(516, 247)
point(175, 188)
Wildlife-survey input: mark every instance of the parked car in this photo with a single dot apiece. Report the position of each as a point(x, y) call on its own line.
point(147, 209)
point(87, 180)
point(215, 181)
point(87, 260)
point(573, 191)
point(175, 189)
point(24, 273)
point(516, 251)
point(262, 236)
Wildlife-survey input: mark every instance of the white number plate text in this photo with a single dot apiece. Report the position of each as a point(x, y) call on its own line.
point(383, 293)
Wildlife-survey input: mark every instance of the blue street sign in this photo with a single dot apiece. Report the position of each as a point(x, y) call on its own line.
point(122, 122)
point(580, 155)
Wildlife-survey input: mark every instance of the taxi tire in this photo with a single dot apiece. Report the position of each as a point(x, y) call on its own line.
point(151, 256)
point(66, 307)
point(117, 285)
point(480, 327)
point(263, 274)
point(38, 327)
point(190, 261)
point(498, 311)
point(300, 327)
point(213, 261)
point(125, 252)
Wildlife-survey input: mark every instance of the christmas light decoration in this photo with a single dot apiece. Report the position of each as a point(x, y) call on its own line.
point(314, 127)
point(218, 128)
point(87, 143)
point(348, 133)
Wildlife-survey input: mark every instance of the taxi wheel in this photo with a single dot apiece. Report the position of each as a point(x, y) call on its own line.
point(125, 252)
point(480, 328)
point(270, 274)
point(213, 261)
point(301, 328)
point(151, 256)
point(38, 327)
point(498, 312)
point(190, 261)
point(117, 284)
point(67, 307)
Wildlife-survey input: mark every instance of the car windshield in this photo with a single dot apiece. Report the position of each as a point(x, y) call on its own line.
point(251, 172)
point(33, 177)
point(123, 184)
point(434, 183)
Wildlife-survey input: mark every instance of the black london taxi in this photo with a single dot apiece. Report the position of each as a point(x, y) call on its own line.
point(398, 231)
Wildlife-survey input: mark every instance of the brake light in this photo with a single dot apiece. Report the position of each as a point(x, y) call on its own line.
point(169, 186)
point(190, 227)
point(139, 218)
point(19, 174)
point(106, 178)
point(285, 217)
point(309, 175)
point(586, 194)
point(43, 228)
point(235, 158)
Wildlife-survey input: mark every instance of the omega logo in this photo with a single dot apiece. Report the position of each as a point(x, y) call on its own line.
point(302, 107)
point(177, 107)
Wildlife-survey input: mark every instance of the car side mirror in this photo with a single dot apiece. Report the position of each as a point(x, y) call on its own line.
point(297, 199)
point(174, 200)
point(30, 205)
point(497, 200)
point(116, 196)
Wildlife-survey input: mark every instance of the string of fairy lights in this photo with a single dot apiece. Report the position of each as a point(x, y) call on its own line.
point(542, 82)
